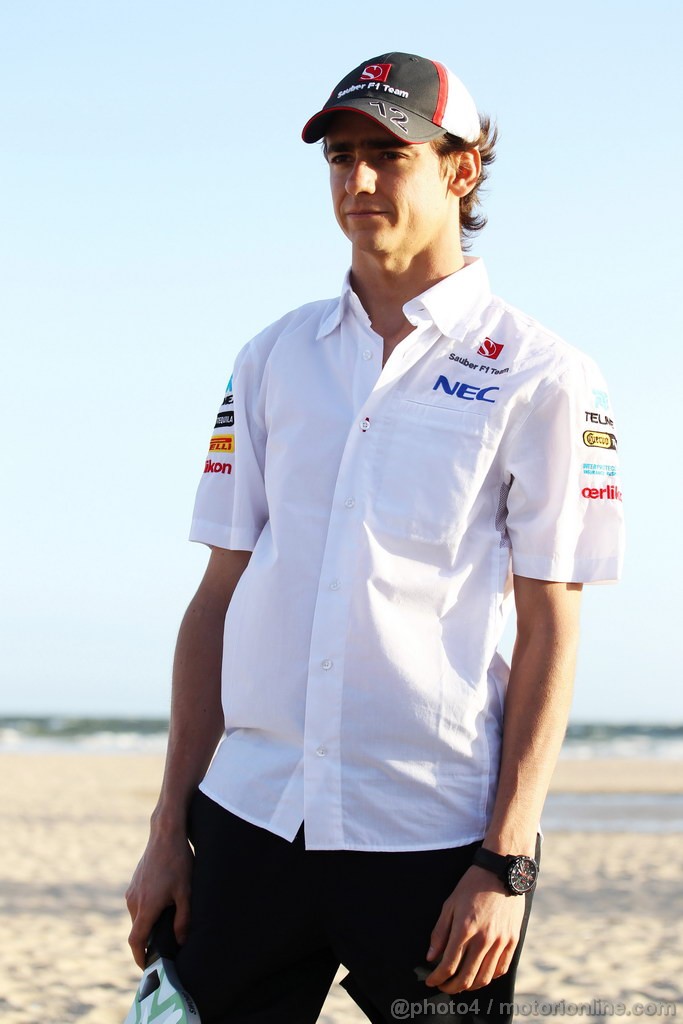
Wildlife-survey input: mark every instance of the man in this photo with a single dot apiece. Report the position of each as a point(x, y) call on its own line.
point(386, 469)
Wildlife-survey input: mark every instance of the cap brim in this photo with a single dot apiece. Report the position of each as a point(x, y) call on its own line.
point(400, 122)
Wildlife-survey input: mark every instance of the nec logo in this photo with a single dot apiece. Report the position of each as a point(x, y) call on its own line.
point(468, 392)
point(490, 349)
point(375, 73)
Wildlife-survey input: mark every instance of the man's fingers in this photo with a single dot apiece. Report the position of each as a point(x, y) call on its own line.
point(454, 955)
point(440, 934)
point(458, 968)
point(478, 965)
point(181, 921)
point(139, 934)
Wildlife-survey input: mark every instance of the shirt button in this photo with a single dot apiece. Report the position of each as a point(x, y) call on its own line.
point(367, 354)
point(350, 502)
point(335, 584)
point(326, 664)
point(365, 424)
point(321, 752)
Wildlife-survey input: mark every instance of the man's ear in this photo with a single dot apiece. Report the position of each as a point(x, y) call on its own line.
point(465, 173)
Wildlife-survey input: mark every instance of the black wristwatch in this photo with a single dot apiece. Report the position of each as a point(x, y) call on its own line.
point(518, 874)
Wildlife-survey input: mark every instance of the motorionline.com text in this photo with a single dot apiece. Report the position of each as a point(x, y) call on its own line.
point(406, 1009)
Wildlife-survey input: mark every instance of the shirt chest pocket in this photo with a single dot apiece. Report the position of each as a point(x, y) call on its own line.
point(431, 465)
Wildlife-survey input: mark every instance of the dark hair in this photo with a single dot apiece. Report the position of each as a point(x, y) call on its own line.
point(471, 221)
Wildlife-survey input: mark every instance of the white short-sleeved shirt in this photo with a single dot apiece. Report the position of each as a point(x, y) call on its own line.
point(387, 508)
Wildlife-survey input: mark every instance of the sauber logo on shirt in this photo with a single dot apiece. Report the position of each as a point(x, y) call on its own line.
point(468, 392)
point(222, 443)
point(464, 361)
point(217, 467)
point(596, 439)
point(490, 349)
point(375, 73)
point(611, 493)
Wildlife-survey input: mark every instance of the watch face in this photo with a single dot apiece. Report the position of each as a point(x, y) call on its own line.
point(522, 874)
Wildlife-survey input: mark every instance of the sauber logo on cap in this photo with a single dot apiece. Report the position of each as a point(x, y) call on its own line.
point(490, 349)
point(375, 73)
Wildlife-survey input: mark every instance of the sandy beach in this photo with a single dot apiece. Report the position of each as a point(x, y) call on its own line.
point(607, 926)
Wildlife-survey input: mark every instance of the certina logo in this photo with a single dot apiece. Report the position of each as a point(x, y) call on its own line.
point(468, 392)
point(595, 439)
point(609, 493)
point(597, 417)
point(222, 443)
point(217, 467)
point(375, 73)
point(490, 349)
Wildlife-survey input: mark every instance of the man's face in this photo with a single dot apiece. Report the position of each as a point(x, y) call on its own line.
point(389, 198)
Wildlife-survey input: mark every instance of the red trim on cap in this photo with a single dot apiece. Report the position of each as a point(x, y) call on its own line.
point(442, 98)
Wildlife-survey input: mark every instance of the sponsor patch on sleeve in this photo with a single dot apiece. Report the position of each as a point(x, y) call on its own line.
point(599, 439)
point(224, 443)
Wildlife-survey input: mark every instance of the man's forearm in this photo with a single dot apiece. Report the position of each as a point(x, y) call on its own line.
point(479, 925)
point(196, 718)
point(196, 714)
point(536, 709)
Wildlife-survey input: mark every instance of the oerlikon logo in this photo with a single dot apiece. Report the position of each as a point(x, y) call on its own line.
point(489, 349)
point(375, 73)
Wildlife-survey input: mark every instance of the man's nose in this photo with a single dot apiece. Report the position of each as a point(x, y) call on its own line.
point(361, 178)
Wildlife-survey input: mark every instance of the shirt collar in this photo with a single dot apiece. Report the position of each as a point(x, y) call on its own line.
point(454, 303)
point(340, 308)
point(451, 305)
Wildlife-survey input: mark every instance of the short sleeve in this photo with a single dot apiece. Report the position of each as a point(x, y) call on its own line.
point(565, 503)
point(230, 509)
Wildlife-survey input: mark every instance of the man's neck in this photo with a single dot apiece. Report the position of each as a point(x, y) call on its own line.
point(384, 290)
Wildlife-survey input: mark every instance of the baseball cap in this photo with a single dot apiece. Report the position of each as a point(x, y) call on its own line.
point(414, 98)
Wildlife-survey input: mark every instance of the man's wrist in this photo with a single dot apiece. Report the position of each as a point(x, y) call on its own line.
point(517, 872)
point(169, 820)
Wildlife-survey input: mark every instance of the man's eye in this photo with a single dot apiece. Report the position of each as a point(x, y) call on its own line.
point(339, 158)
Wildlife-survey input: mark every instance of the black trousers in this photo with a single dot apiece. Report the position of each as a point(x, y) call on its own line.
point(271, 922)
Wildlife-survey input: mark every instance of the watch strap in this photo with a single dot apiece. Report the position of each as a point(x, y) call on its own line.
point(495, 862)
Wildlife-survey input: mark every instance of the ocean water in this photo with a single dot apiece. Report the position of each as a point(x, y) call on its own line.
point(57, 734)
point(584, 741)
point(586, 812)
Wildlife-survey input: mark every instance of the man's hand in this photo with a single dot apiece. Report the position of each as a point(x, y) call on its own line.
point(476, 934)
point(161, 878)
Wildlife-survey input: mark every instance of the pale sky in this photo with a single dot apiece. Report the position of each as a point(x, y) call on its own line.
point(158, 208)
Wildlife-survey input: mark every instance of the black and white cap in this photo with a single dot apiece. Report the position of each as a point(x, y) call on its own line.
point(414, 98)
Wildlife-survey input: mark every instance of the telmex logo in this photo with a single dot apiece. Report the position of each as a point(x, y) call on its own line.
point(468, 392)
point(375, 73)
point(217, 467)
point(222, 443)
point(595, 439)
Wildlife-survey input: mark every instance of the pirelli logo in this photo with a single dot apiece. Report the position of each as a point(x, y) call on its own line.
point(224, 443)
